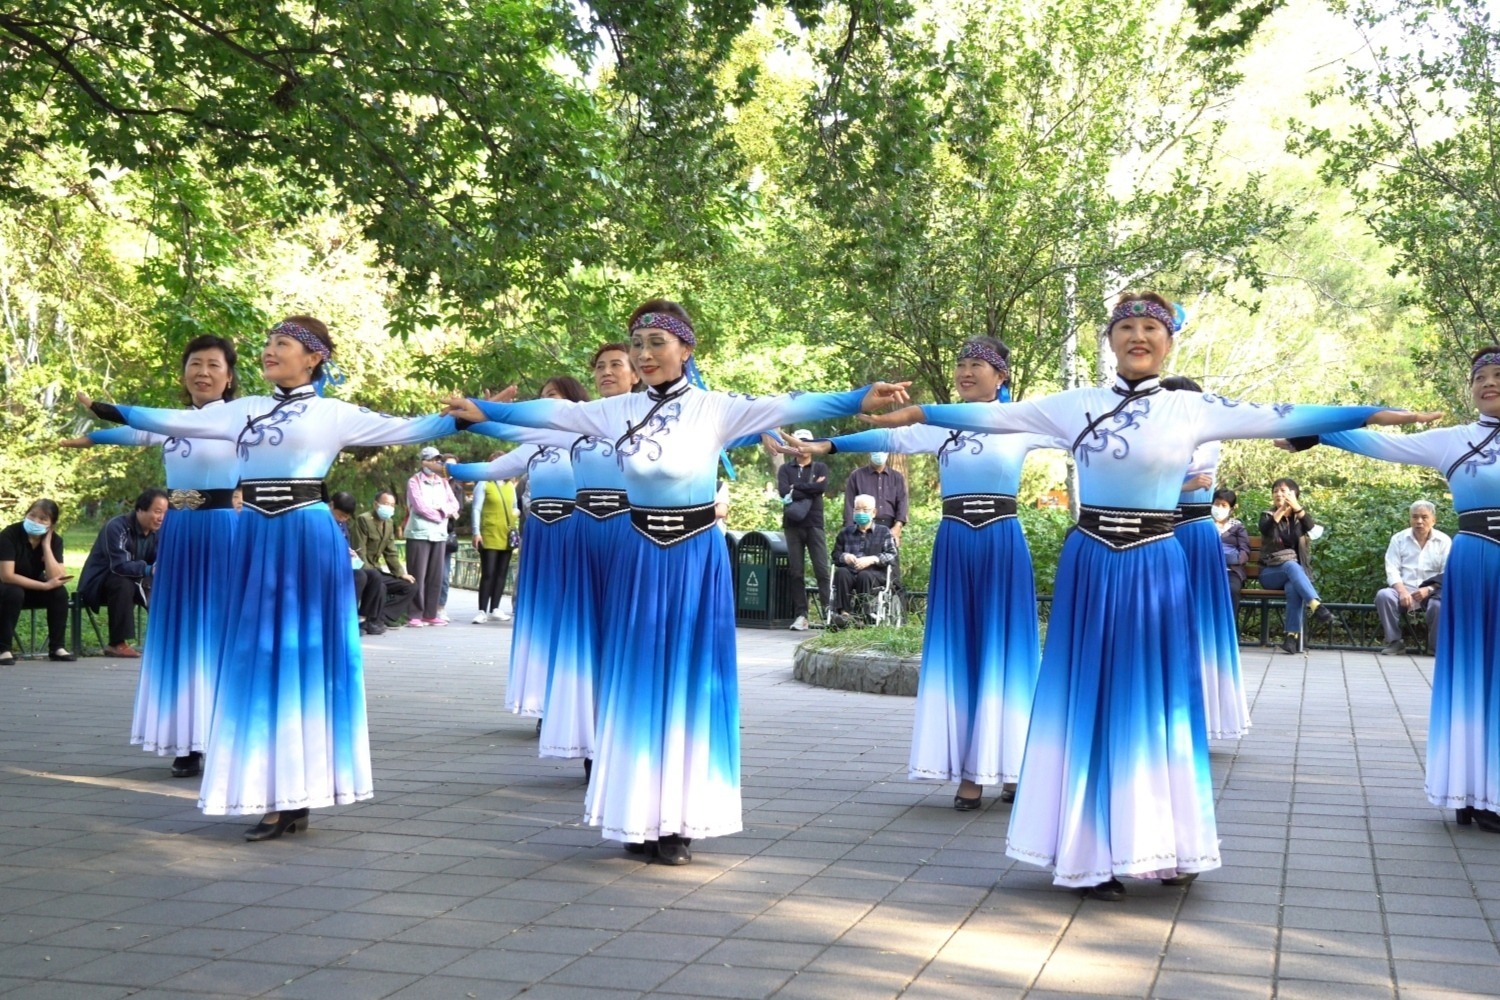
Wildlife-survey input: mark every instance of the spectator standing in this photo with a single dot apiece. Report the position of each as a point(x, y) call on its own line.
point(32, 576)
point(496, 521)
point(117, 573)
point(800, 485)
point(887, 486)
point(1286, 557)
point(373, 536)
point(450, 548)
point(861, 556)
point(1414, 562)
point(1234, 540)
point(430, 503)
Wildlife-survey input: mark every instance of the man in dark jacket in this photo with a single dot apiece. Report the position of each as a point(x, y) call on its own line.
point(117, 573)
point(801, 484)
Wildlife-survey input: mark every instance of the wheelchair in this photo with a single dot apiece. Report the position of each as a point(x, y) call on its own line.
point(886, 605)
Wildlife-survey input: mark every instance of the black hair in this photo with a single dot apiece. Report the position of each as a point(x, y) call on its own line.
point(569, 387)
point(149, 496)
point(1180, 383)
point(211, 342)
point(48, 507)
point(343, 502)
point(1290, 484)
point(1227, 495)
point(385, 493)
point(605, 349)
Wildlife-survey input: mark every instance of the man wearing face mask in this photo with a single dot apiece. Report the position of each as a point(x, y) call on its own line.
point(1234, 540)
point(373, 536)
point(886, 486)
point(860, 557)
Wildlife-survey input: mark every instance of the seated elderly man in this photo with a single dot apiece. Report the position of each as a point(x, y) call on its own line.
point(1413, 571)
point(860, 556)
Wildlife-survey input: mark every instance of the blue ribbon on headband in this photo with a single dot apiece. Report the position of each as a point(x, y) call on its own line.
point(332, 375)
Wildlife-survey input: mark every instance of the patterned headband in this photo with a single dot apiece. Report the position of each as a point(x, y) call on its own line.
point(1141, 307)
point(303, 336)
point(1487, 358)
point(667, 322)
point(978, 350)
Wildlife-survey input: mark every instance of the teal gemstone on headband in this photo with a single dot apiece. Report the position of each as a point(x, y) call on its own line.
point(646, 319)
point(1138, 307)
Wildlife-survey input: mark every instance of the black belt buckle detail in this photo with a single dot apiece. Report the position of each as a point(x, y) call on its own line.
point(1194, 512)
point(979, 509)
point(670, 525)
point(200, 499)
point(1484, 522)
point(1125, 529)
point(277, 496)
point(600, 504)
point(550, 510)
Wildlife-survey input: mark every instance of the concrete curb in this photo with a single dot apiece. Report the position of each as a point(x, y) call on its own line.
point(860, 670)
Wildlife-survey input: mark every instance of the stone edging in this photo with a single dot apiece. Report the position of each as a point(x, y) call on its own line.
point(857, 670)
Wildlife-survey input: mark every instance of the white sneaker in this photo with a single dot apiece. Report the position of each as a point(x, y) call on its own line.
point(503, 616)
point(481, 618)
point(800, 625)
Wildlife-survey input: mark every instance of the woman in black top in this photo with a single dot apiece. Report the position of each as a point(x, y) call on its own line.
point(32, 576)
point(1285, 559)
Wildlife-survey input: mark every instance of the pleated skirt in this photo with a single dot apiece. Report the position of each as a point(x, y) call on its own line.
point(979, 656)
point(668, 735)
point(1116, 776)
point(568, 718)
point(174, 698)
point(289, 729)
point(544, 616)
point(1463, 728)
point(1224, 705)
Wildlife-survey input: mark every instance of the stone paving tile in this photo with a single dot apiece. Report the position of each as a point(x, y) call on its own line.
point(470, 873)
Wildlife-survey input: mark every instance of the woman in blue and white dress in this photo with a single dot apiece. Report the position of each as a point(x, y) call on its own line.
point(979, 649)
point(1116, 778)
point(667, 765)
point(184, 634)
point(1225, 709)
point(289, 731)
point(1463, 728)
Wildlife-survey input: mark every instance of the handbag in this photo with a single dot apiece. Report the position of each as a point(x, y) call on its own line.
point(796, 512)
point(1278, 558)
point(513, 539)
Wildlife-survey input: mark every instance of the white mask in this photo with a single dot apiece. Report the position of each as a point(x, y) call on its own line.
point(1219, 513)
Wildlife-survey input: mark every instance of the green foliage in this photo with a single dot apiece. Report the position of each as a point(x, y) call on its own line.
point(903, 641)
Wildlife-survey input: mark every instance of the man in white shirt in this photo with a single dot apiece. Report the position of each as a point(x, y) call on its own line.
point(1414, 564)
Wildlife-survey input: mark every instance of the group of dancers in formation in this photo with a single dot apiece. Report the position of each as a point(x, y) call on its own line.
point(627, 654)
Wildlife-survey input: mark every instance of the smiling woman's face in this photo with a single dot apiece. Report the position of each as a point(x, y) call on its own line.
point(1141, 345)
point(1486, 390)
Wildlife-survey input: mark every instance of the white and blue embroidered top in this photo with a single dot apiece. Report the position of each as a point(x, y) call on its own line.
point(1467, 456)
point(549, 468)
point(968, 462)
point(1132, 445)
point(191, 464)
point(1205, 460)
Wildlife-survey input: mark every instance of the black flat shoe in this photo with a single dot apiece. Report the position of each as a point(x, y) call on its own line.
point(1111, 892)
point(61, 655)
point(1487, 821)
point(189, 766)
point(7, 659)
point(1186, 878)
point(1464, 816)
point(539, 727)
point(674, 850)
point(1008, 792)
point(588, 769)
point(968, 805)
point(636, 847)
point(1290, 643)
point(289, 821)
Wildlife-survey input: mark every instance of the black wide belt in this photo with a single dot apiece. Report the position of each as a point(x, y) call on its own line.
point(600, 504)
point(550, 510)
point(670, 525)
point(1484, 522)
point(1194, 512)
point(978, 509)
point(200, 499)
point(277, 496)
point(1125, 529)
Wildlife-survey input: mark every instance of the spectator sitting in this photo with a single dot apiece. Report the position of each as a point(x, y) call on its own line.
point(1285, 556)
point(1234, 541)
point(886, 486)
point(372, 535)
point(369, 588)
point(860, 557)
point(117, 573)
point(1414, 562)
point(32, 576)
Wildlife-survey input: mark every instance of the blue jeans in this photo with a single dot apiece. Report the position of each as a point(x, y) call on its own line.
point(1292, 578)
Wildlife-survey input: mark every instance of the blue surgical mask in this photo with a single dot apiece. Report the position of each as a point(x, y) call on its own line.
point(878, 457)
point(384, 511)
point(33, 529)
point(863, 518)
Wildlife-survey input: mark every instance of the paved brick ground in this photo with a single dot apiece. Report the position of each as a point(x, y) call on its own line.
point(469, 876)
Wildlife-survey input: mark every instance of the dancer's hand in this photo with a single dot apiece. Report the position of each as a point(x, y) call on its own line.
point(1201, 481)
point(903, 417)
point(463, 408)
point(883, 394)
point(82, 441)
point(85, 400)
point(1285, 445)
point(1393, 418)
point(506, 395)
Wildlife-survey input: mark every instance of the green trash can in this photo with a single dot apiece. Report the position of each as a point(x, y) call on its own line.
point(762, 584)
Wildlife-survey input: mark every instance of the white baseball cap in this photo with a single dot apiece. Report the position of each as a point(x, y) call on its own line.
point(803, 434)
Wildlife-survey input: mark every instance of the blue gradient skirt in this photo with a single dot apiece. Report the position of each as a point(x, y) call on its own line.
point(289, 728)
point(1463, 729)
point(668, 736)
point(1116, 776)
point(174, 699)
point(1224, 705)
point(593, 571)
point(544, 617)
point(979, 656)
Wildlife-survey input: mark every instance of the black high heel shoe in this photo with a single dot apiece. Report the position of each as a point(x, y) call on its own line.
point(673, 850)
point(1464, 816)
point(289, 821)
point(1111, 892)
point(1487, 821)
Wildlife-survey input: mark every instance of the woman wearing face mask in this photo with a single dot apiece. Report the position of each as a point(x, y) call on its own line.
point(32, 576)
point(430, 503)
point(1285, 555)
point(667, 738)
point(184, 633)
point(1224, 705)
point(1116, 779)
point(1463, 728)
point(289, 727)
point(1234, 542)
point(979, 650)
